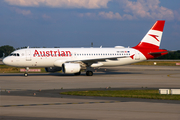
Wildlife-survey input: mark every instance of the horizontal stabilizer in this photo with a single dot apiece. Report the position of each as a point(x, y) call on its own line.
point(154, 53)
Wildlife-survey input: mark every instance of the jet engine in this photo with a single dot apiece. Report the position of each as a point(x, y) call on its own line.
point(71, 68)
point(53, 69)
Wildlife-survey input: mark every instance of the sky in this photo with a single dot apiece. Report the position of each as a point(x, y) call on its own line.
point(78, 23)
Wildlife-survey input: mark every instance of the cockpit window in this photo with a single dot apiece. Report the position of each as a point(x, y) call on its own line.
point(14, 54)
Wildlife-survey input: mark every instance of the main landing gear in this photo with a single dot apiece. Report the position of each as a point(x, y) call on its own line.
point(89, 73)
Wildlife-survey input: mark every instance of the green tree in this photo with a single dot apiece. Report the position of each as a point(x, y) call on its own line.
point(6, 49)
point(172, 55)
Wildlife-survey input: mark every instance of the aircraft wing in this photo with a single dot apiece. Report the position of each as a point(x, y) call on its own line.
point(95, 60)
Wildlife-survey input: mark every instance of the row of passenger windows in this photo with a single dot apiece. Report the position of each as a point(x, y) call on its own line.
point(79, 54)
point(109, 54)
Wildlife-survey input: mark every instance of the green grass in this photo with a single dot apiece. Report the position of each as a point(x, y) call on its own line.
point(9, 69)
point(145, 94)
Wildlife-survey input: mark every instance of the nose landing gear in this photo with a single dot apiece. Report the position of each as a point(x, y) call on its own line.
point(26, 73)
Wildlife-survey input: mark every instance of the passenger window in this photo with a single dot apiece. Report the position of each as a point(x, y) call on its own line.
point(17, 54)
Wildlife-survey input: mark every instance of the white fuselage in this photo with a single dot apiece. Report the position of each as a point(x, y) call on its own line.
point(55, 57)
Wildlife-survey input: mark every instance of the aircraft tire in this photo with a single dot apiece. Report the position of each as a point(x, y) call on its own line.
point(89, 73)
point(25, 74)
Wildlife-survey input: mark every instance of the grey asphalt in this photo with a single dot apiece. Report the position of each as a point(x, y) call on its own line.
point(49, 104)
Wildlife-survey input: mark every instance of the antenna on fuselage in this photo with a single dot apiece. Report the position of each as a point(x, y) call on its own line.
point(27, 47)
point(91, 44)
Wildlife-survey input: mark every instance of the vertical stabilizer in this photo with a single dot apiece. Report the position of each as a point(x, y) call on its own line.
point(153, 38)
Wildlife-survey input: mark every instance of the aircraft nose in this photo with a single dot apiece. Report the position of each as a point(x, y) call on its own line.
point(6, 61)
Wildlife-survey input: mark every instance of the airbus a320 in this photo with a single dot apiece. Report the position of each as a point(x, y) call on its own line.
point(74, 60)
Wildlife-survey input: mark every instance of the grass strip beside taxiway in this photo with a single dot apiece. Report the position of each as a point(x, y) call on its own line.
point(145, 94)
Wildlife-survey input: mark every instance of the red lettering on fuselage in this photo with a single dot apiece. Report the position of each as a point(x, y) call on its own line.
point(36, 53)
point(62, 53)
point(68, 53)
point(51, 53)
point(55, 53)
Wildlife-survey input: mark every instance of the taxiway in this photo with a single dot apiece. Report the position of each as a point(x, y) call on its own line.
point(18, 101)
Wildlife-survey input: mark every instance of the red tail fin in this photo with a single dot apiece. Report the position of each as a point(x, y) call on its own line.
point(151, 41)
point(153, 38)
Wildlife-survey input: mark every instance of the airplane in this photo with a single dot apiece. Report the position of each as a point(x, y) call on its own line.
point(74, 60)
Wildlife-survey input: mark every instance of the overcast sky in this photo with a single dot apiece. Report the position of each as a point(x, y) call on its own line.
point(77, 23)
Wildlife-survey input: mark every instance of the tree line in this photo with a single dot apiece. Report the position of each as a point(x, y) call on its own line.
point(6, 50)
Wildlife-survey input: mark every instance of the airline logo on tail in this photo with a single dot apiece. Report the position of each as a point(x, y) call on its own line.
point(154, 36)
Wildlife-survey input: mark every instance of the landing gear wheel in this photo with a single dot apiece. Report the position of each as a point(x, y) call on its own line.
point(89, 73)
point(25, 74)
point(77, 73)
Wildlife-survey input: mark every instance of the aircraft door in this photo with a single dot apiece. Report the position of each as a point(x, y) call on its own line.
point(137, 55)
point(28, 55)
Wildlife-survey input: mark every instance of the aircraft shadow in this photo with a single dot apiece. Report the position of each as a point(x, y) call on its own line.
point(36, 118)
point(62, 74)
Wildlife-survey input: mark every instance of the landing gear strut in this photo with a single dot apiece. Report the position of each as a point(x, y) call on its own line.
point(89, 73)
point(26, 73)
